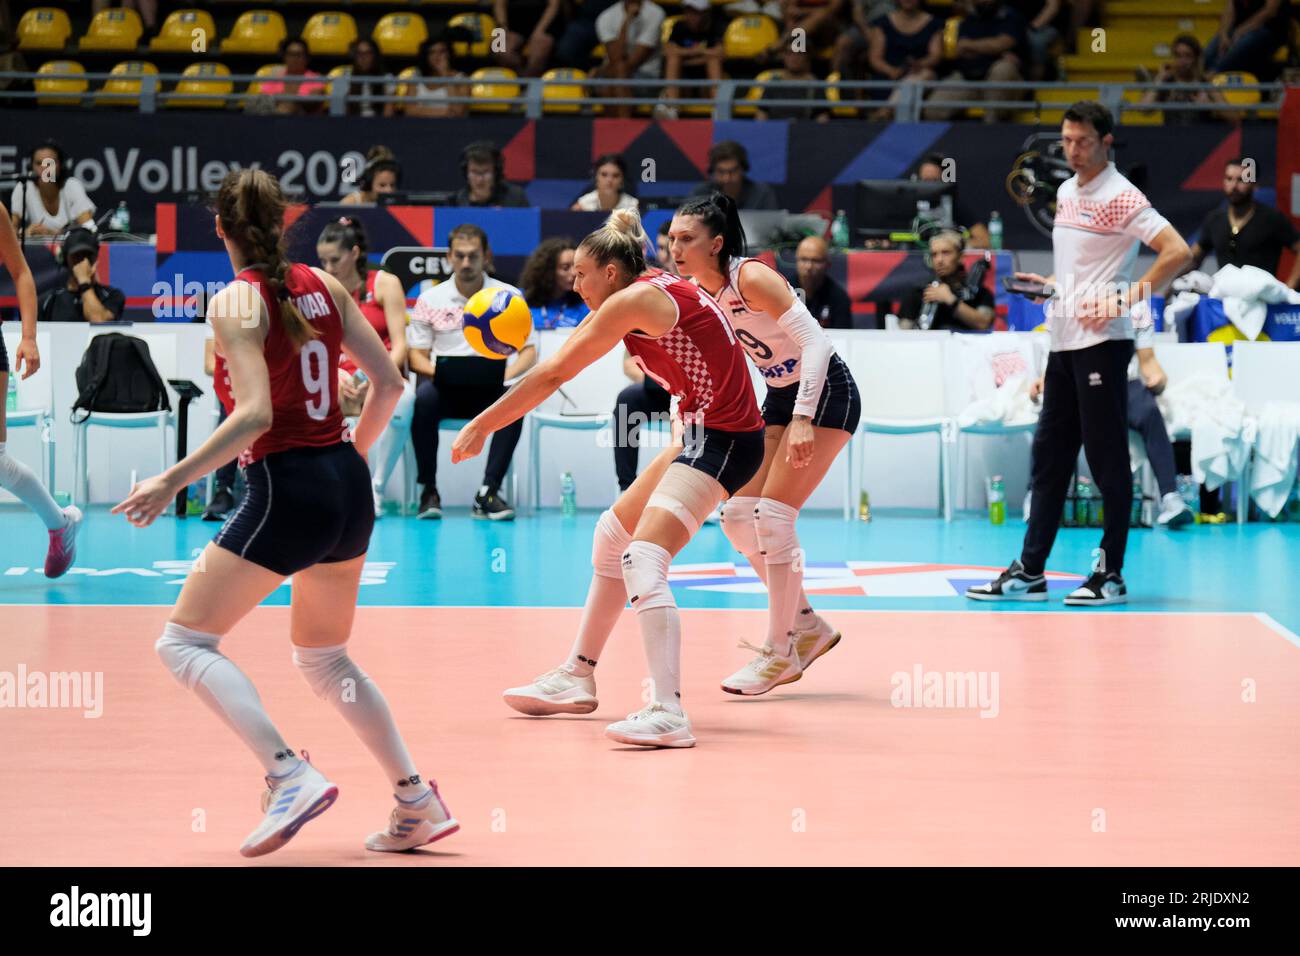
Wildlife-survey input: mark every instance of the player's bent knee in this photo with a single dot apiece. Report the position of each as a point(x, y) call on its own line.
point(187, 653)
point(738, 524)
point(774, 524)
point(608, 544)
point(324, 668)
point(645, 573)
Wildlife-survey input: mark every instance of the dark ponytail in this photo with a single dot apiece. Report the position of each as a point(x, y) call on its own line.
point(720, 215)
point(348, 233)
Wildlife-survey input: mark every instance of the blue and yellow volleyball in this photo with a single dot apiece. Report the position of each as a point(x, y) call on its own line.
point(497, 322)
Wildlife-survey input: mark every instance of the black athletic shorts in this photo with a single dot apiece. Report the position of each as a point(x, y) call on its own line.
point(4, 356)
point(839, 407)
point(302, 507)
point(731, 457)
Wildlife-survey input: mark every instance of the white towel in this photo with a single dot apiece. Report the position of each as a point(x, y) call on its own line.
point(1194, 282)
point(1221, 432)
point(1274, 471)
point(1246, 293)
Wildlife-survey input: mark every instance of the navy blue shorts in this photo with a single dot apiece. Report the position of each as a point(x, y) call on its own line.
point(730, 457)
point(302, 507)
point(4, 356)
point(840, 406)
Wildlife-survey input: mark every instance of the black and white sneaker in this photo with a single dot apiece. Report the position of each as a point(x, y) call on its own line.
point(219, 508)
point(430, 503)
point(488, 504)
point(1013, 584)
point(1100, 589)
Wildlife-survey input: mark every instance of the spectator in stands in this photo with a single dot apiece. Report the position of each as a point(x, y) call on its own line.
point(1185, 68)
point(55, 200)
point(296, 79)
point(663, 257)
point(825, 298)
point(1083, 13)
point(931, 170)
point(636, 403)
point(609, 177)
point(547, 284)
point(369, 79)
point(1245, 232)
point(485, 182)
point(905, 45)
point(957, 306)
point(82, 298)
point(817, 21)
point(729, 173)
point(532, 29)
point(693, 52)
point(579, 36)
point(430, 99)
point(1043, 22)
point(454, 380)
point(382, 174)
point(850, 58)
point(798, 67)
point(148, 10)
point(991, 44)
point(631, 32)
point(1250, 32)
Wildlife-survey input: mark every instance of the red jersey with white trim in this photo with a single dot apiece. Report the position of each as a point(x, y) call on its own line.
point(304, 381)
point(698, 360)
point(364, 296)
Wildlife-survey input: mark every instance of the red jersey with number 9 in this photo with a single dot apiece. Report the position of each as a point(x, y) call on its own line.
point(304, 381)
point(698, 359)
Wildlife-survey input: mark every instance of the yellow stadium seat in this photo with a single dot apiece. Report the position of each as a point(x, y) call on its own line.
point(271, 69)
point(667, 29)
point(400, 34)
point(950, 28)
point(489, 83)
point(338, 71)
point(556, 88)
point(748, 107)
point(256, 31)
point(113, 29)
point(404, 79)
point(329, 34)
point(479, 26)
point(833, 94)
point(44, 28)
point(186, 31)
point(124, 78)
point(748, 36)
point(203, 79)
point(67, 77)
point(1228, 84)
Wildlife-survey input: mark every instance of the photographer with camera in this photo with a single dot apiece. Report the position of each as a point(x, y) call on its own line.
point(955, 298)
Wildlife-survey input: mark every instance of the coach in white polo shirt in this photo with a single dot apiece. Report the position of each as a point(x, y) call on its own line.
point(454, 380)
point(1100, 220)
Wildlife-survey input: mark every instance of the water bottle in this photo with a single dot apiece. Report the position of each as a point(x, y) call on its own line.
point(568, 495)
point(11, 400)
point(1135, 512)
point(928, 309)
point(864, 507)
point(121, 219)
point(1188, 491)
point(840, 230)
point(194, 502)
point(997, 500)
point(1083, 503)
point(995, 229)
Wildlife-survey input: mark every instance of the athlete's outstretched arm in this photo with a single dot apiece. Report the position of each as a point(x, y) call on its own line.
point(26, 359)
point(239, 322)
point(637, 306)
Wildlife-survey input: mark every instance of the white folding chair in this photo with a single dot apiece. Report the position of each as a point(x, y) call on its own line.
point(1263, 372)
point(901, 381)
point(35, 401)
point(162, 349)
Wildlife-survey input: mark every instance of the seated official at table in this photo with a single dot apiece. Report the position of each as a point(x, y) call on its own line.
point(83, 298)
point(824, 297)
point(955, 302)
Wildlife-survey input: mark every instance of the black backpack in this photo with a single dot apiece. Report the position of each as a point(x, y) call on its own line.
point(116, 374)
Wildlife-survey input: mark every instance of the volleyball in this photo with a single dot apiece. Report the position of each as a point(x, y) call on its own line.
point(497, 322)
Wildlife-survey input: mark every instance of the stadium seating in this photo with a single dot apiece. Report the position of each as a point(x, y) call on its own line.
point(329, 34)
point(256, 31)
point(124, 79)
point(833, 94)
point(44, 28)
point(270, 70)
point(182, 29)
point(748, 106)
point(748, 36)
point(489, 84)
point(202, 79)
point(404, 80)
point(400, 34)
point(479, 26)
point(1229, 83)
point(113, 29)
point(557, 89)
point(67, 79)
point(334, 74)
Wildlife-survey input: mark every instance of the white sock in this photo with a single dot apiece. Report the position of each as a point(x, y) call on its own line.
point(661, 635)
point(606, 598)
point(784, 571)
point(744, 539)
point(335, 678)
point(22, 482)
point(194, 660)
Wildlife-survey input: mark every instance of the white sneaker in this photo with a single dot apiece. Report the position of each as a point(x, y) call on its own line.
point(1174, 512)
point(288, 805)
point(415, 824)
point(810, 645)
point(555, 692)
point(653, 726)
point(766, 671)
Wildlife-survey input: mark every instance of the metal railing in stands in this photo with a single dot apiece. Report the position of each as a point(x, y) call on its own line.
point(910, 105)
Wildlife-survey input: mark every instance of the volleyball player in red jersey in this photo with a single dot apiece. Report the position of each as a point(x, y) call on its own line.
point(280, 329)
point(379, 295)
point(681, 338)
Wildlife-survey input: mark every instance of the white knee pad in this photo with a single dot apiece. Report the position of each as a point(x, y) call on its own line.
point(326, 668)
point(645, 572)
point(608, 544)
point(689, 494)
point(187, 653)
point(738, 524)
point(774, 524)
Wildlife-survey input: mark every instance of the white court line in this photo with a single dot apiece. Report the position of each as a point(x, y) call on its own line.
point(1271, 623)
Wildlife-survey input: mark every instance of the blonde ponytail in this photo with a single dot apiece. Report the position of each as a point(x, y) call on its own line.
point(621, 239)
